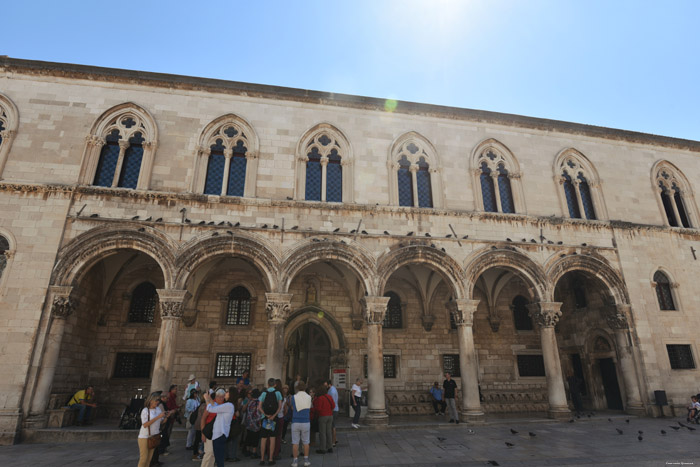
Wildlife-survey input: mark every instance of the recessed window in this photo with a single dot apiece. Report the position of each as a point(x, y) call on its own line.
point(675, 194)
point(4, 248)
point(324, 169)
point(227, 161)
point(238, 309)
point(681, 357)
point(663, 291)
point(229, 365)
point(393, 319)
point(389, 366)
point(531, 365)
point(144, 299)
point(450, 364)
point(521, 317)
point(133, 365)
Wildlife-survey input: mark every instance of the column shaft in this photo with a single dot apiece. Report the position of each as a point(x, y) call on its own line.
point(165, 355)
point(462, 311)
point(374, 311)
point(52, 350)
point(278, 308)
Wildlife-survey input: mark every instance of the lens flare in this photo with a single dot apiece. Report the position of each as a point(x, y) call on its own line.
point(390, 105)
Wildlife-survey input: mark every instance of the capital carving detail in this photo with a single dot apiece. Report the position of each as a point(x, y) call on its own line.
point(279, 306)
point(62, 307)
point(616, 316)
point(545, 314)
point(172, 303)
point(374, 309)
point(462, 310)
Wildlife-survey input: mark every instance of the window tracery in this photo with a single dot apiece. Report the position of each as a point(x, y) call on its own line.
point(674, 195)
point(324, 169)
point(580, 188)
point(664, 295)
point(414, 174)
point(9, 120)
point(496, 178)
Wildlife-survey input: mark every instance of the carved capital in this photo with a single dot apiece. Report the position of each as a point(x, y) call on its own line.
point(62, 305)
point(324, 160)
point(123, 144)
point(674, 285)
point(545, 314)
point(279, 306)
point(462, 311)
point(7, 134)
point(617, 316)
point(413, 168)
point(374, 309)
point(172, 303)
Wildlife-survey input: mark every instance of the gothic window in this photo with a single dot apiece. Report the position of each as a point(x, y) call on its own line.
point(144, 299)
point(323, 155)
point(231, 365)
point(414, 181)
point(450, 364)
point(681, 357)
point(496, 178)
point(675, 195)
point(393, 318)
point(9, 120)
point(120, 149)
point(663, 291)
point(530, 365)
point(4, 250)
point(521, 317)
point(226, 158)
point(579, 185)
point(133, 365)
point(238, 308)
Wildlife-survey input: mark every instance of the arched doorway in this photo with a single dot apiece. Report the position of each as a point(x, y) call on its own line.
point(309, 351)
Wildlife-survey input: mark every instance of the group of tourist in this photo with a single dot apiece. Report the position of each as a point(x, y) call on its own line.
point(241, 420)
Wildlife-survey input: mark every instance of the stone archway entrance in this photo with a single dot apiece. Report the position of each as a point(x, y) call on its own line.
point(309, 350)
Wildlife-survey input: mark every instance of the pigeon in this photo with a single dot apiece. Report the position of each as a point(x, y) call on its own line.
point(448, 236)
point(148, 219)
point(619, 431)
point(229, 232)
point(532, 240)
point(471, 432)
point(315, 240)
point(640, 437)
point(690, 428)
point(160, 219)
point(441, 439)
point(532, 435)
point(492, 463)
point(386, 233)
point(142, 229)
point(640, 432)
point(508, 240)
point(229, 223)
point(513, 431)
point(682, 425)
point(443, 250)
point(94, 215)
point(510, 445)
point(663, 432)
point(289, 198)
point(364, 232)
point(222, 222)
point(353, 231)
point(572, 420)
point(427, 234)
point(337, 230)
point(215, 234)
point(294, 228)
point(275, 226)
point(560, 243)
point(134, 218)
point(432, 245)
point(409, 234)
point(675, 427)
point(465, 237)
point(237, 224)
point(627, 421)
point(584, 244)
point(187, 221)
point(549, 242)
point(202, 223)
point(610, 420)
point(264, 226)
point(211, 223)
point(589, 415)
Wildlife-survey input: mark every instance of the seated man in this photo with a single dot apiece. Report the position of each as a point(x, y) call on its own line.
point(438, 401)
point(693, 408)
point(84, 402)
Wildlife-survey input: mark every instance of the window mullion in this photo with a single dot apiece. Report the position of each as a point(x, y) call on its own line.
point(123, 146)
point(227, 167)
point(414, 180)
point(496, 190)
point(579, 200)
point(324, 169)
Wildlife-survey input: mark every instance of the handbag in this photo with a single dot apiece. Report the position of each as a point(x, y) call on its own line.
point(153, 440)
point(208, 430)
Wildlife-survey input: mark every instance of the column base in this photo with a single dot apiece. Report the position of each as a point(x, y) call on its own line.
point(475, 417)
point(377, 418)
point(10, 420)
point(637, 409)
point(36, 422)
point(559, 413)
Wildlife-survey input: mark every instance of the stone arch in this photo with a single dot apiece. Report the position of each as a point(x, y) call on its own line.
point(110, 119)
point(592, 338)
point(359, 260)
point(504, 157)
point(666, 178)
point(425, 150)
point(431, 257)
point(595, 267)
point(84, 251)
point(573, 163)
point(516, 261)
point(201, 249)
point(9, 122)
point(309, 314)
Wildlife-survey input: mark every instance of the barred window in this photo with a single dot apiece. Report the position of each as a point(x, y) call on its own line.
point(324, 167)
point(663, 291)
point(681, 357)
point(570, 193)
point(131, 165)
point(236, 171)
point(238, 309)
point(108, 160)
point(450, 364)
point(133, 365)
point(405, 183)
point(230, 365)
point(393, 318)
point(425, 191)
point(389, 366)
point(521, 317)
point(227, 161)
point(215, 168)
point(487, 190)
point(675, 191)
point(531, 365)
point(586, 198)
point(313, 176)
point(144, 299)
point(505, 191)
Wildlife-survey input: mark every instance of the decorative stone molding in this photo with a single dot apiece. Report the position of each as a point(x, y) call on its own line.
point(279, 306)
point(357, 321)
point(428, 321)
point(617, 316)
point(494, 322)
point(374, 309)
point(545, 314)
point(462, 311)
point(189, 317)
point(172, 303)
point(339, 358)
point(62, 306)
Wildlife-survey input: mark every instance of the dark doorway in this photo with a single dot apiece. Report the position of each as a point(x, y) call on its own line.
point(612, 389)
point(578, 371)
point(310, 354)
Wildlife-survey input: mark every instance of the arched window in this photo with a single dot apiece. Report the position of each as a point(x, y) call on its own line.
point(414, 178)
point(120, 149)
point(393, 318)
point(4, 249)
point(580, 188)
point(9, 120)
point(497, 177)
point(323, 155)
point(675, 195)
point(521, 317)
point(238, 309)
point(144, 299)
point(663, 291)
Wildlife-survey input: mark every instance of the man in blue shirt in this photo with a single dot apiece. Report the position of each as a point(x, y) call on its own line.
point(438, 399)
point(333, 392)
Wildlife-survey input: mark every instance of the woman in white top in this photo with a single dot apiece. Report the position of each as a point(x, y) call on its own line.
point(151, 415)
point(355, 401)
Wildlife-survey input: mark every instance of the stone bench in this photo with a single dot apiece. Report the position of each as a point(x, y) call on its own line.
point(59, 414)
point(410, 403)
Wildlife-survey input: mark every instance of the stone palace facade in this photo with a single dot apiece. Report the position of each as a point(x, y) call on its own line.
point(155, 226)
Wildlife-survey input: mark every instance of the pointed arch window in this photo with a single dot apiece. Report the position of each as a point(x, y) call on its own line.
point(9, 121)
point(4, 251)
point(323, 181)
point(413, 180)
point(238, 309)
point(496, 178)
point(571, 200)
point(144, 299)
point(521, 317)
point(488, 191)
point(663, 291)
point(227, 161)
point(579, 191)
point(505, 190)
point(425, 192)
point(393, 318)
point(405, 183)
point(675, 196)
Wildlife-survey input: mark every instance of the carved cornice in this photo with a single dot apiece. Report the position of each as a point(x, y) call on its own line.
point(374, 309)
point(545, 314)
point(462, 310)
point(32, 188)
point(278, 306)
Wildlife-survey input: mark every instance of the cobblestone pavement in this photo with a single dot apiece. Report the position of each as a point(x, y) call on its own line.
point(583, 442)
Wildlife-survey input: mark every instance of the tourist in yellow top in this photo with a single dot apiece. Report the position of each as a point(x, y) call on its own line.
point(84, 402)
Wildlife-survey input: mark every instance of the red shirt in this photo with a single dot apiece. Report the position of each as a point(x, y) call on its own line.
point(172, 401)
point(324, 405)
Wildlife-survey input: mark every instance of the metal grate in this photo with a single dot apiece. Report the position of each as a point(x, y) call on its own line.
point(571, 201)
point(133, 365)
point(586, 199)
point(425, 191)
point(230, 365)
point(663, 291)
point(393, 319)
point(521, 317)
point(236, 175)
point(531, 365)
point(334, 178)
point(238, 310)
point(313, 176)
point(450, 364)
point(487, 190)
point(108, 160)
point(405, 186)
point(389, 366)
point(505, 191)
point(215, 174)
point(131, 166)
point(143, 303)
point(681, 357)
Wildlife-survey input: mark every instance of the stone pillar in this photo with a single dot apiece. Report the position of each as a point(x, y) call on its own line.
point(462, 311)
point(62, 305)
point(172, 308)
point(374, 311)
point(618, 322)
point(546, 315)
point(278, 308)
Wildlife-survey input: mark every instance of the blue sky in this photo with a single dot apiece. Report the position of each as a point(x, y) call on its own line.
point(621, 64)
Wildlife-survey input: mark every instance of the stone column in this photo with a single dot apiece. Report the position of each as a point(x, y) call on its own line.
point(546, 315)
point(374, 311)
point(618, 322)
point(278, 308)
point(171, 311)
point(462, 311)
point(62, 305)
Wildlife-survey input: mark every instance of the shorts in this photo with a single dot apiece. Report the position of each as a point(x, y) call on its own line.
point(335, 417)
point(301, 431)
point(267, 433)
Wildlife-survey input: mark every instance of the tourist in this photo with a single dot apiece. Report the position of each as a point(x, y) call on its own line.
point(234, 436)
point(438, 397)
point(151, 416)
point(83, 401)
point(167, 427)
point(296, 384)
point(450, 387)
point(356, 401)
point(215, 448)
point(196, 454)
point(162, 403)
point(191, 407)
point(333, 392)
point(212, 385)
point(323, 406)
point(693, 408)
point(244, 378)
point(301, 424)
point(280, 421)
point(270, 405)
point(192, 383)
point(252, 423)
point(287, 409)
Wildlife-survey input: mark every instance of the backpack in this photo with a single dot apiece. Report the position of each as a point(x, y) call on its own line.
point(252, 418)
point(270, 404)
